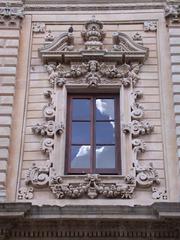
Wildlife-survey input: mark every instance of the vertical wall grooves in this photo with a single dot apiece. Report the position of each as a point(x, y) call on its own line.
point(174, 39)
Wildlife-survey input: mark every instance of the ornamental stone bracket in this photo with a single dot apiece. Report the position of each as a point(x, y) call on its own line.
point(10, 16)
point(172, 13)
point(92, 66)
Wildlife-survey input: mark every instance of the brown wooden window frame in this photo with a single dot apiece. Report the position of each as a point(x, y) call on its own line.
point(92, 169)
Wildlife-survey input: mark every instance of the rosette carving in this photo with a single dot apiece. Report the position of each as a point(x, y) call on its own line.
point(137, 128)
point(48, 129)
point(25, 193)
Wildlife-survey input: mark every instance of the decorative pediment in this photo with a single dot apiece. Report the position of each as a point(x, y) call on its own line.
point(124, 49)
point(60, 45)
point(122, 43)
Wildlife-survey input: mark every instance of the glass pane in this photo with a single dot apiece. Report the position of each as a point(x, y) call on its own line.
point(81, 109)
point(105, 157)
point(104, 109)
point(105, 132)
point(80, 156)
point(80, 133)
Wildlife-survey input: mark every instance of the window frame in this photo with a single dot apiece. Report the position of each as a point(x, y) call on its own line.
point(92, 170)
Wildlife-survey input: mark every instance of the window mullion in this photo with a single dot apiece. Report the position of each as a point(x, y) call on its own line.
point(93, 136)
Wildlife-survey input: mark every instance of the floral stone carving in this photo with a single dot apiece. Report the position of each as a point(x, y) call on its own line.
point(150, 26)
point(92, 186)
point(94, 73)
point(48, 129)
point(137, 128)
point(38, 27)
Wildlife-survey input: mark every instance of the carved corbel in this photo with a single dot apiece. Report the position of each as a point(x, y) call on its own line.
point(10, 16)
point(172, 12)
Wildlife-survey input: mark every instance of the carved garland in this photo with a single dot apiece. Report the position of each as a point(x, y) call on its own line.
point(93, 73)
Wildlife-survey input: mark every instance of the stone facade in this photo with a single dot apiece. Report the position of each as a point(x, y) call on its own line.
point(49, 49)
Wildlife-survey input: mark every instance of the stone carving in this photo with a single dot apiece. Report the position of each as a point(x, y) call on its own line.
point(48, 129)
point(49, 37)
point(47, 145)
point(25, 193)
point(38, 176)
point(173, 12)
point(137, 128)
point(94, 73)
point(146, 176)
point(150, 26)
point(93, 68)
point(158, 194)
point(62, 48)
point(136, 109)
point(93, 35)
point(38, 27)
point(92, 187)
point(10, 15)
point(49, 109)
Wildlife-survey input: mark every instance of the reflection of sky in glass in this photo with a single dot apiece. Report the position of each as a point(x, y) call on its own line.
point(105, 133)
point(105, 157)
point(81, 109)
point(105, 109)
point(80, 156)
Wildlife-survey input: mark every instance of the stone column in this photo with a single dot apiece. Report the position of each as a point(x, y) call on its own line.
point(10, 19)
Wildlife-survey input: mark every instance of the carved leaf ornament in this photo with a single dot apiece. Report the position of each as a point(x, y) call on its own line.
point(95, 66)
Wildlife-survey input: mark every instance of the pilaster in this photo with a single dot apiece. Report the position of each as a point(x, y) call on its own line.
point(10, 19)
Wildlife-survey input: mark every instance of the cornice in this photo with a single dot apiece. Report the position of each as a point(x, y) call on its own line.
point(155, 212)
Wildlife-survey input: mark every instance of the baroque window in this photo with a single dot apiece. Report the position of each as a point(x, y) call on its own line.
point(92, 127)
point(93, 134)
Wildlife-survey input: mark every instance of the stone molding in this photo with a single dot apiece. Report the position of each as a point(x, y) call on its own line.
point(24, 220)
point(10, 16)
point(127, 56)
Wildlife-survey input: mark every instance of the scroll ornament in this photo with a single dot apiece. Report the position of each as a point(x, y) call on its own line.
point(92, 186)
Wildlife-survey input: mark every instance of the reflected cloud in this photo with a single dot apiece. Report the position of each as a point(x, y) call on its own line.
point(84, 150)
point(106, 107)
point(100, 150)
